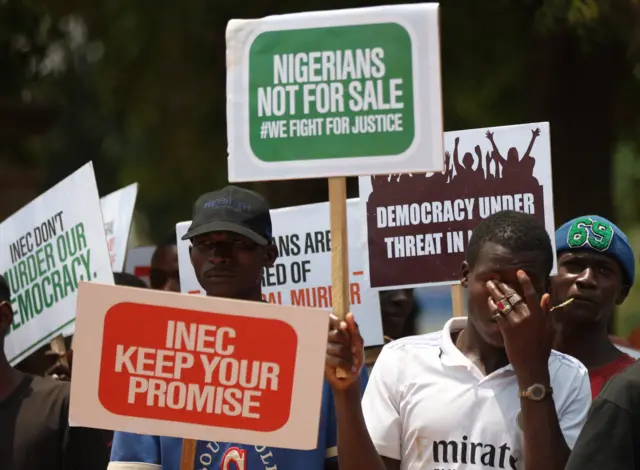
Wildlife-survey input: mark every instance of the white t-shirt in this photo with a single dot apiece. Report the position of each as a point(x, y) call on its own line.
point(428, 406)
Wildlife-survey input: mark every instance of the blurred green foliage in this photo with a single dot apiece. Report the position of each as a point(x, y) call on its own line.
point(627, 204)
point(141, 88)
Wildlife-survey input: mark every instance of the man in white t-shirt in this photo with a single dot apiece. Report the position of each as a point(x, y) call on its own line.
point(485, 392)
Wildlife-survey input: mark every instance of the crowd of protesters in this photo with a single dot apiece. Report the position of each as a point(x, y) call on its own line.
point(530, 379)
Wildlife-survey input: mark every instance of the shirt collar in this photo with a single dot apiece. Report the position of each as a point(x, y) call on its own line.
point(450, 355)
point(449, 352)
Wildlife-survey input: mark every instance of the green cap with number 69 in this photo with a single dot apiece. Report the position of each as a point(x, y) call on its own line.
point(592, 232)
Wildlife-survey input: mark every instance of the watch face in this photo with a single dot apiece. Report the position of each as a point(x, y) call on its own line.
point(537, 392)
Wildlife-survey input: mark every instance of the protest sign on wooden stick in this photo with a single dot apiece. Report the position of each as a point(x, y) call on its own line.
point(205, 369)
point(333, 94)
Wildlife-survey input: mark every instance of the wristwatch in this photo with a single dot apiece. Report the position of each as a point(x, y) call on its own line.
point(537, 392)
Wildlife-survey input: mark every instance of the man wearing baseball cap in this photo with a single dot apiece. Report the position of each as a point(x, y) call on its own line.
point(595, 270)
point(231, 244)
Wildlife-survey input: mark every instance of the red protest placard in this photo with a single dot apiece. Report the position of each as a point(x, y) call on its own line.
point(197, 367)
point(160, 363)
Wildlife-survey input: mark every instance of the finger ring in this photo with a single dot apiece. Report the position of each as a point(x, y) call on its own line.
point(496, 316)
point(514, 299)
point(504, 306)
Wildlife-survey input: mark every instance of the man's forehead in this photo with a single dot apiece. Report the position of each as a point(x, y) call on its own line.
point(493, 256)
point(164, 254)
point(589, 256)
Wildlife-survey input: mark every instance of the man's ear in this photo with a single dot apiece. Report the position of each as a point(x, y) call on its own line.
point(622, 295)
point(270, 255)
point(464, 274)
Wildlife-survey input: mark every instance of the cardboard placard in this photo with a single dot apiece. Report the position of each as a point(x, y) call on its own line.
point(418, 220)
point(48, 247)
point(334, 93)
point(117, 214)
point(205, 368)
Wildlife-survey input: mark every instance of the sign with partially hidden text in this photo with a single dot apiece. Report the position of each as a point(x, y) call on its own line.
point(117, 214)
point(205, 368)
point(301, 275)
point(419, 225)
point(138, 262)
point(48, 246)
point(334, 93)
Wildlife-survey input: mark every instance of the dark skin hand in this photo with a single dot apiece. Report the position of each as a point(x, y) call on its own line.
point(528, 337)
point(345, 351)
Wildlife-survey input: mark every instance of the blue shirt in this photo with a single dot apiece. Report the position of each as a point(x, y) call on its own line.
point(154, 452)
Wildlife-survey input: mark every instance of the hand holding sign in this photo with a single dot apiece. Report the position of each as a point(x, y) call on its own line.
point(344, 352)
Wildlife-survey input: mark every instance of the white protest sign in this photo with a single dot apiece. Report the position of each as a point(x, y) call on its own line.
point(48, 246)
point(117, 214)
point(415, 219)
point(138, 262)
point(302, 273)
point(205, 368)
point(334, 93)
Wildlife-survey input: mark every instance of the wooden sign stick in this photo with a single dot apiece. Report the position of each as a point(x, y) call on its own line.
point(339, 250)
point(457, 300)
point(188, 458)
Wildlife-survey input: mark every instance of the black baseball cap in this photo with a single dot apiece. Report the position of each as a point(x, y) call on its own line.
point(232, 209)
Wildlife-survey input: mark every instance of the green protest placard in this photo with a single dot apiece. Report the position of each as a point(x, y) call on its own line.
point(337, 93)
point(344, 99)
